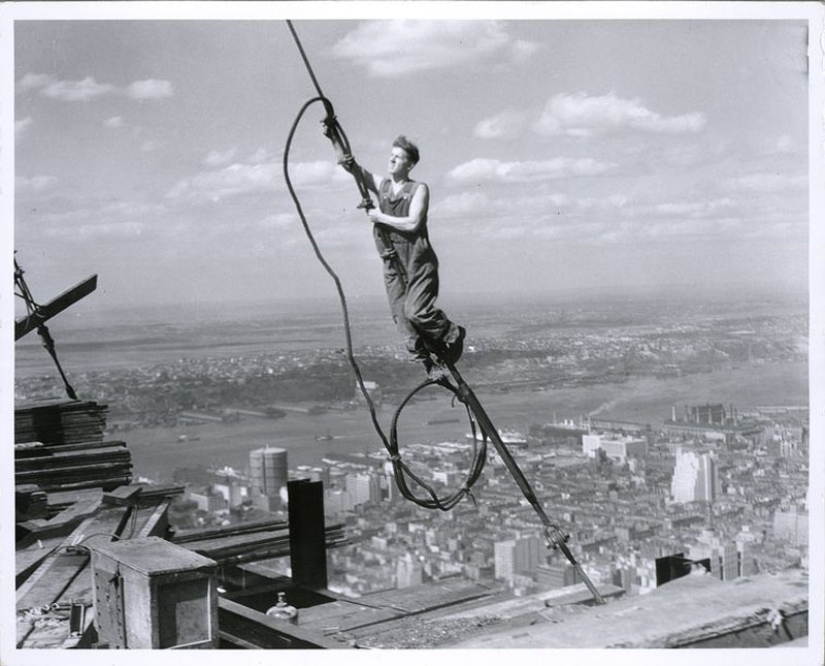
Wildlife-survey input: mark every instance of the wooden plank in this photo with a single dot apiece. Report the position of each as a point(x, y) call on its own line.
point(290, 631)
point(24, 451)
point(102, 482)
point(63, 575)
point(80, 589)
point(60, 472)
point(49, 588)
point(66, 497)
point(32, 581)
point(158, 522)
point(26, 560)
point(123, 495)
point(30, 502)
point(54, 307)
point(58, 525)
point(108, 522)
point(49, 460)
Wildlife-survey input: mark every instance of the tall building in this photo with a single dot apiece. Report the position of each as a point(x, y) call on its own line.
point(556, 575)
point(519, 556)
point(269, 474)
point(363, 488)
point(616, 447)
point(725, 556)
point(791, 525)
point(408, 571)
point(695, 477)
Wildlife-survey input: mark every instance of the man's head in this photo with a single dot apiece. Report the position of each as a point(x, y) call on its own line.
point(408, 147)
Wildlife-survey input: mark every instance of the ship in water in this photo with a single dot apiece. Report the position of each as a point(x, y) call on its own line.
point(443, 419)
point(508, 437)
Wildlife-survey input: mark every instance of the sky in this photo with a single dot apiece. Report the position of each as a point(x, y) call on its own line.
point(560, 155)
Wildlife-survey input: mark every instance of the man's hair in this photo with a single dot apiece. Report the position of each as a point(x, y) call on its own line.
point(408, 147)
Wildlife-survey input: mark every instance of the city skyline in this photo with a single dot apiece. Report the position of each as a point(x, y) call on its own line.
point(624, 153)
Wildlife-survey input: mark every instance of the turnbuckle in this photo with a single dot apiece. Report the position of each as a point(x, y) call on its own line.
point(555, 536)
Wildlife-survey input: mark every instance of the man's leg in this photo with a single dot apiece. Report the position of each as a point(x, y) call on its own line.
point(397, 295)
point(430, 321)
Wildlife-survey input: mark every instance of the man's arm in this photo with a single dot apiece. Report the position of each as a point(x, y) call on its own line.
point(418, 212)
point(350, 165)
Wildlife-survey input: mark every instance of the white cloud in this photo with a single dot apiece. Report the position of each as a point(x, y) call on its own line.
point(392, 48)
point(120, 219)
point(315, 174)
point(580, 115)
point(33, 81)
point(768, 182)
point(113, 122)
point(130, 209)
point(238, 179)
point(280, 221)
point(259, 156)
point(149, 146)
point(463, 205)
point(692, 209)
point(34, 184)
point(77, 91)
point(97, 230)
point(230, 181)
point(522, 50)
point(473, 205)
point(216, 158)
point(149, 89)
point(504, 125)
point(87, 89)
point(21, 126)
point(482, 169)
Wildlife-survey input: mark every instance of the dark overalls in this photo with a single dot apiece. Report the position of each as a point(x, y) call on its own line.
point(413, 306)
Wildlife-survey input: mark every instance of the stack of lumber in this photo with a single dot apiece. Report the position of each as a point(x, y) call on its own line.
point(95, 465)
point(59, 422)
point(59, 446)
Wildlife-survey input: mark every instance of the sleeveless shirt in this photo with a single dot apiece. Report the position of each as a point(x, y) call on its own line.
point(412, 247)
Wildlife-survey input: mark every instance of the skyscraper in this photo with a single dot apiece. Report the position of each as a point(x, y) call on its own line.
point(695, 477)
point(519, 556)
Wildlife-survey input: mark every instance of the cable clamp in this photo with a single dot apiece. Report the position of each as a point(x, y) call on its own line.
point(330, 122)
point(555, 537)
point(347, 161)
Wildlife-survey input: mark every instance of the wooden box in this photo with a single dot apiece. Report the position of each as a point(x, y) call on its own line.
point(151, 593)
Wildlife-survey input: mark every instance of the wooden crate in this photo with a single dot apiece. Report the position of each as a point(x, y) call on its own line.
point(150, 593)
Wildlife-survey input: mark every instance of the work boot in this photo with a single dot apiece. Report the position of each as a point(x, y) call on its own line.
point(454, 349)
point(435, 373)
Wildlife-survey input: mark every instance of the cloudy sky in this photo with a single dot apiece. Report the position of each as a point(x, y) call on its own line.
point(560, 154)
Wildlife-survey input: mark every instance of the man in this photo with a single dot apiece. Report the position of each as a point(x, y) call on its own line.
point(410, 264)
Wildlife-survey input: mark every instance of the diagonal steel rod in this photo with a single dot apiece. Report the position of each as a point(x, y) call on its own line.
point(555, 536)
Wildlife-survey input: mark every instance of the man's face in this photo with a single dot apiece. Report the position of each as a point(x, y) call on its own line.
point(399, 164)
